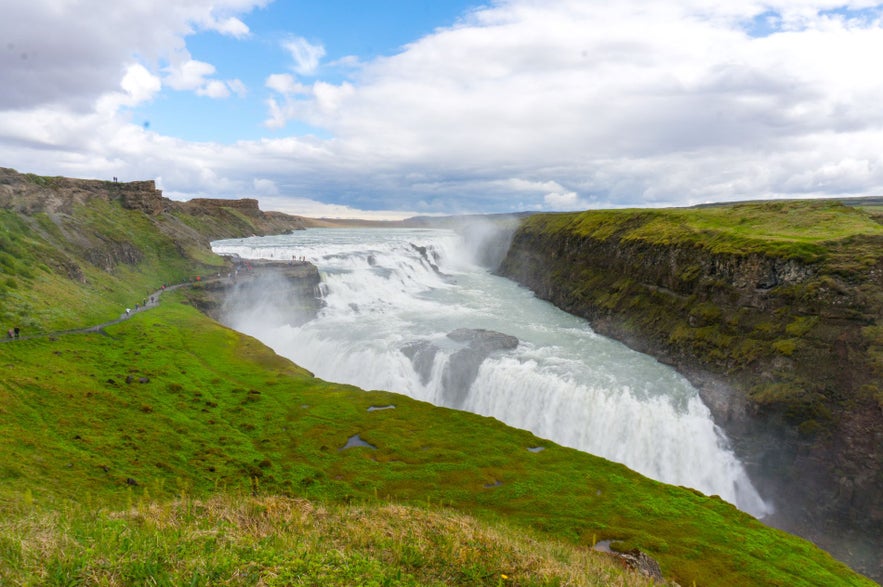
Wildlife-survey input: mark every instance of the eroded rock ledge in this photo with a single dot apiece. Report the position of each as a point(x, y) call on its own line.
point(281, 292)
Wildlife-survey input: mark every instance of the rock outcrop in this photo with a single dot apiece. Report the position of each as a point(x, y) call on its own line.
point(58, 196)
point(463, 366)
point(288, 293)
point(70, 204)
point(459, 374)
point(786, 350)
point(30, 194)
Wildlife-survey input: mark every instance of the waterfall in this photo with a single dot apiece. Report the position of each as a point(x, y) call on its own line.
point(409, 311)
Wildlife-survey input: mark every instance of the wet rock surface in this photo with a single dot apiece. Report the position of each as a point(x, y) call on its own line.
point(422, 355)
point(287, 290)
point(462, 367)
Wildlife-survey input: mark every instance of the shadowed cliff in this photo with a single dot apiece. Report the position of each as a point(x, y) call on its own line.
point(774, 311)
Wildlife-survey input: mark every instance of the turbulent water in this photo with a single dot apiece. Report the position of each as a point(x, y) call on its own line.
point(392, 297)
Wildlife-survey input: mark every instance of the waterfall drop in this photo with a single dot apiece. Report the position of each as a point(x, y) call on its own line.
point(407, 310)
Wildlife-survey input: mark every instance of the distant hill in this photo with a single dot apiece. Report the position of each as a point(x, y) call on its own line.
point(453, 221)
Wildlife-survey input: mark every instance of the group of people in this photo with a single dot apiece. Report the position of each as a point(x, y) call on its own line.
point(143, 304)
point(14, 332)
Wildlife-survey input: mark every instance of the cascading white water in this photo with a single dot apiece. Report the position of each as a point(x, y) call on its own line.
point(393, 296)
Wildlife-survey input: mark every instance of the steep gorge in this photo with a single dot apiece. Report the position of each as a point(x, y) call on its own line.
point(785, 343)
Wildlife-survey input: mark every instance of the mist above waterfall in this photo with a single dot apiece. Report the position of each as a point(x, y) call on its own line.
point(411, 311)
point(486, 240)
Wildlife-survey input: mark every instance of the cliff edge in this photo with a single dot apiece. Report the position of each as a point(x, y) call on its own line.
point(774, 311)
point(95, 247)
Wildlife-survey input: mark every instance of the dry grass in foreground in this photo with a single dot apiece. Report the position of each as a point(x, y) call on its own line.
point(281, 541)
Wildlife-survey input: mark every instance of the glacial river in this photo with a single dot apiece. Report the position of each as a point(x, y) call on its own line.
point(393, 296)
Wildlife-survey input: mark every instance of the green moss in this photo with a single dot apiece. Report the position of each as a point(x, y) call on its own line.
point(810, 428)
point(773, 393)
point(801, 325)
point(706, 312)
point(42, 180)
point(805, 230)
point(690, 273)
point(786, 346)
point(765, 328)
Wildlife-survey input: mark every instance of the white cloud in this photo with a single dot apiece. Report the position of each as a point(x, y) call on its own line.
point(214, 89)
point(189, 75)
point(276, 114)
point(518, 184)
point(237, 87)
point(306, 55)
point(265, 187)
point(563, 201)
point(521, 105)
point(70, 53)
point(314, 209)
point(140, 84)
point(193, 75)
point(306, 103)
point(284, 83)
point(231, 26)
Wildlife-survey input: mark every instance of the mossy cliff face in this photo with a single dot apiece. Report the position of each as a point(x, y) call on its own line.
point(773, 310)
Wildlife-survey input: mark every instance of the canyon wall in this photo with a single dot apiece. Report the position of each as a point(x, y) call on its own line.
point(785, 345)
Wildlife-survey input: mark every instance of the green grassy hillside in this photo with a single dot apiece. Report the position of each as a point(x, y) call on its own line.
point(85, 267)
point(803, 230)
point(76, 252)
point(170, 450)
point(169, 409)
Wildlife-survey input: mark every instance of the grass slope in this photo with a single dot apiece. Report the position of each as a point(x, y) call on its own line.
point(803, 230)
point(171, 404)
point(87, 267)
point(273, 540)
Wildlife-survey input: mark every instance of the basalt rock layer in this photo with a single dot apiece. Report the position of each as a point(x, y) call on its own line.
point(57, 197)
point(782, 332)
point(288, 293)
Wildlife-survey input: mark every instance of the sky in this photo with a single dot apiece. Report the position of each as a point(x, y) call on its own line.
point(395, 108)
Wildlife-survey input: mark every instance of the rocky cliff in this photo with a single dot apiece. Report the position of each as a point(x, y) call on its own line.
point(31, 194)
point(774, 311)
point(286, 293)
point(94, 246)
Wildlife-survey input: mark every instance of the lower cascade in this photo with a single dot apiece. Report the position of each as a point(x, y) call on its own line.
point(411, 311)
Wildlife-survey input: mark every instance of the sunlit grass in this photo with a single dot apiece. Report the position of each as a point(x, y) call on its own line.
point(275, 540)
point(170, 403)
point(171, 450)
point(798, 229)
